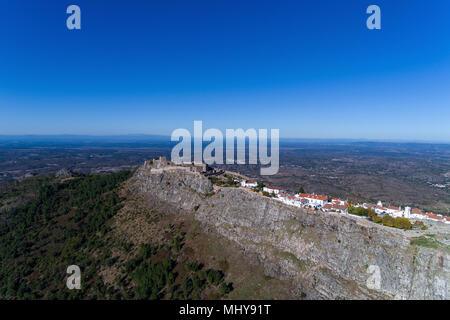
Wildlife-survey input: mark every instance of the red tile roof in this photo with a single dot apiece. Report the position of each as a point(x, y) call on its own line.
point(273, 188)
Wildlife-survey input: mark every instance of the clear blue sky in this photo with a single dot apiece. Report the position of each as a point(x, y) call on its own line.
point(310, 68)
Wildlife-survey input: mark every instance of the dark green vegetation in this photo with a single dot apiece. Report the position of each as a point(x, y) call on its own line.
point(65, 222)
point(224, 181)
point(360, 211)
point(157, 280)
point(62, 225)
point(267, 194)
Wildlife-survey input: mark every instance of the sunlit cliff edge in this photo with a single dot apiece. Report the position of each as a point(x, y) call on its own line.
point(326, 255)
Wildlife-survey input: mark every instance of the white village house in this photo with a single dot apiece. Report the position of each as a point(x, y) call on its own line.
point(394, 211)
point(249, 184)
point(314, 199)
point(416, 213)
point(335, 208)
point(272, 190)
point(339, 202)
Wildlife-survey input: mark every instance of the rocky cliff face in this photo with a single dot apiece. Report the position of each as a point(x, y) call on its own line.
point(327, 255)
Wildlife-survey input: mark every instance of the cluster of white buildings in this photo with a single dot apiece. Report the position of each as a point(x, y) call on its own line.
point(322, 203)
point(406, 212)
point(308, 200)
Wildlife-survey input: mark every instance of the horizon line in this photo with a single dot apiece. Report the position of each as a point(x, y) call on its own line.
point(130, 135)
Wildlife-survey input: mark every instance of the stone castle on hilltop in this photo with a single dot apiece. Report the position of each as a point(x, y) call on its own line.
point(163, 164)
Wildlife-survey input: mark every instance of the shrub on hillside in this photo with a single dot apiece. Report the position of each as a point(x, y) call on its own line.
point(402, 223)
point(388, 221)
point(377, 219)
point(360, 211)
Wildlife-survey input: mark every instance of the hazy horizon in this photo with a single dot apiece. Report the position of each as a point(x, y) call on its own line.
point(142, 136)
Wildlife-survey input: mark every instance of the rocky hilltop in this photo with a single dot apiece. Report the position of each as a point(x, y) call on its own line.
point(326, 255)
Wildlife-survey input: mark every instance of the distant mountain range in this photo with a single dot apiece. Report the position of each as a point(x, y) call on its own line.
point(151, 138)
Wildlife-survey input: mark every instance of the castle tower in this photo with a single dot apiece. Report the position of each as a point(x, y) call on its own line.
point(407, 212)
point(160, 163)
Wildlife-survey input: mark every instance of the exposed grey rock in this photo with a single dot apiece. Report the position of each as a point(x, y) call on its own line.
point(63, 173)
point(326, 254)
